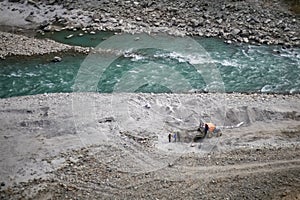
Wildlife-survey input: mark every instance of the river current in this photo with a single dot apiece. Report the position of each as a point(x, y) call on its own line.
point(242, 68)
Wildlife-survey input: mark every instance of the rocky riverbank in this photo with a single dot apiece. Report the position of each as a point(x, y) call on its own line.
point(26, 46)
point(76, 146)
point(255, 22)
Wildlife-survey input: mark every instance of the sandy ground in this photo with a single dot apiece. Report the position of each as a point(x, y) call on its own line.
point(104, 146)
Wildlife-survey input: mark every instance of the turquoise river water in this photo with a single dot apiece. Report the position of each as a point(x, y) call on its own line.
point(242, 68)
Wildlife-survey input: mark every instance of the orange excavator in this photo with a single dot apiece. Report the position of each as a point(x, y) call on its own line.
point(209, 129)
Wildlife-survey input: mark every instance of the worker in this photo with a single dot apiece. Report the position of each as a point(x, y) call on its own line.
point(206, 128)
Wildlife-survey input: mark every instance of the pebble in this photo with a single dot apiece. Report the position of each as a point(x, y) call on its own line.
point(56, 59)
point(69, 36)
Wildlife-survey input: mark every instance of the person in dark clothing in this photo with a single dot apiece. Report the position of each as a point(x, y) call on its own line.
point(205, 129)
point(170, 136)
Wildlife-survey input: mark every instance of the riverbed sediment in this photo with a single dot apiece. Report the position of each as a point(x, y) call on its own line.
point(63, 146)
point(19, 45)
point(254, 22)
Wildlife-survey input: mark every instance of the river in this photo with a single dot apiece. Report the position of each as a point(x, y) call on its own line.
point(242, 68)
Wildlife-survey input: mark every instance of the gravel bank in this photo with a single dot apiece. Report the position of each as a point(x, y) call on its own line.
point(257, 22)
point(76, 146)
point(27, 46)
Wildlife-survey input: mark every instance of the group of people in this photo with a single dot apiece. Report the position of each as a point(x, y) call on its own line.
point(176, 137)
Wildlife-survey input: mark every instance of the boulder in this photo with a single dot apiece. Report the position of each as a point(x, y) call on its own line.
point(104, 20)
point(29, 18)
point(52, 2)
point(47, 28)
point(219, 21)
point(44, 24)
point(246, 40)
point(235, 31)
point(195, 22)
point(56, 59)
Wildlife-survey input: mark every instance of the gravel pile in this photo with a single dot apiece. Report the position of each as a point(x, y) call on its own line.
point(27, 46)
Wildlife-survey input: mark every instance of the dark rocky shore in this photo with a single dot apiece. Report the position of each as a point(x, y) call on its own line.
point(255, 22)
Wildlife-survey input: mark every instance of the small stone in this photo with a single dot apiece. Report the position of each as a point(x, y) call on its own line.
point(104, 20)
point(69, 36)
point(47, 28)
point(267, 21)
point(2, 184)
point(195, 22)
point(170, 164)
point(29, 18)
point(235, 31)
point(220, 21)
point(57, 59)
point(113, 20)
point(73, 160)
point(246, 40)
point(33, 3)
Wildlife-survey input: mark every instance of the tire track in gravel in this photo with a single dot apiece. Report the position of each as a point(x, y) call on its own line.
point(182, 173)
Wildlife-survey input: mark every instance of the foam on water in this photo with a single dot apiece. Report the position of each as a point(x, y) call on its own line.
point(243, 68)
point(232, 63)
point(192, 59)
point(133, 56)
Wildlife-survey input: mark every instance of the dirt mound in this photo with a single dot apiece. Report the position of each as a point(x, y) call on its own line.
point(250, 115)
